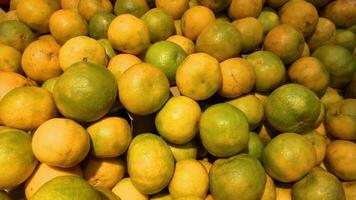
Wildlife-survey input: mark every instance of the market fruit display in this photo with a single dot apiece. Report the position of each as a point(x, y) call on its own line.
point(178, 100)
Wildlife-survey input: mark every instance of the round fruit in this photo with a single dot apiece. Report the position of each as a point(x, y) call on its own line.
point(85, 92)
point(350, 189)
point(319, 143)
point(129, 34)
point(69, 4)
point(292, 108)
point(15, 34)
point(251, 33)
point(120, 63)
point(65, 147)
point(150, 163)
point(45, 173)
point(10, 59)
point(245, 8)
point(306, 19)
point(319, 3)
point(252, 107)
point(104, 172)
point(186, 44)
point(283, 152)
point(269, 69)
point(178, 112)
point(221, 40)
point(306, 50)
point(325, 33)
point(238, 177)
point(313, 185)
point(49, 84)
point(10, 81)
point(238, 77)
point(99, 25)
point(330, 97)
point(167, 56)
point(269, 19)
point(189, 198)
point(17, 161)
point(174, 8)
point(286, 42)
point(88, 8)
point(199, 76)
point(106, 194)
point(40, 60)
point(66, 188)
point(143, 89)
point(311, 73)
point(341, 12)
point(159, 23)
point(255, 146)
point(133, 7)
point(27, 107)
point(215, 5)
point(195, 20)
point(125, 190)
point(340, 119)
point(66, 24)
point(28, 12)
point(184, 151)
point(110, 137)
point(81, 48)
point(346, 39)
point(275, 3)
point(223, 130)
point(270, 190)
point(161, 196)
point(339, 62)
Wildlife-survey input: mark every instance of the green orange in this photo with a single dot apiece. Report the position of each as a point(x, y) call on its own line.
point(99, 25)
point(159, 23)
point(15, 34)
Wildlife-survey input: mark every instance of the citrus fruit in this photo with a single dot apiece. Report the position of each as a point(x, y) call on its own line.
point(238, 177)
point(325, 33)
point(255, 146)
point(313, 185)
point(283, 152)
point(49, 84)
point(134, 7)
point(306, 50)
point(66, 24)
point(174, 8)
point(184, 151)
point(104, 172)
point(339, 62)
point(185, 43)
point(40, 60)
point(292, 108)
point(199, 76)
point(10, 81)
point(125, 190)
point(45, 173)
point(350, 189)
point(15, 34)
point(239, 9)
point(346, 39)
point(110, 137)
point(13, 4)
point(129, 34)
point(319, 143)
point(340, 119)
point(275, 3)
point(311, 73)
point(99, 25)
point(10, 15)
point(286, 42)
point(17, 161)
point(85, 92)
point(106, 194)
point(190, 179)
point(166, 56)
point(252, 107)
point(251, 33)
point(150, 163)
point(269, 69)
point(81, 48)
point(70, 4)
point(284, 192)
point(143, 89)
point(64, 147)
point(66, 188)
point(223, 130)
point(189, 198)
point(319, 3)
point(88, 8)
point(159, 23)
point(178, 112)
point(238, 77)
point(28, 12)
point(10, 59)
point(161, 196)
point(215, 5)
point(270, 190)
point(330, 97)
point(221, 40)
point(120, 63)
point(269, 19)
point(206, 164)
point(27, 107)
point(195, 20)
point(306, 19)
point(341, 13)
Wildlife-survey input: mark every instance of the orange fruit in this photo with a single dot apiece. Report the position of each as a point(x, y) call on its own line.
point(341, 13)
point(159, 23)
point(10, 59)
point(143, 89)
point(221, 40)
point(350, 189)
point(174, 8)
point(70, 4)
point(66, 24)
point(125, 190)
point(13, 4)
point(129, 34)
point(269, 19)
point(120, 63)
point(306, 50)
point(215, 5)
point(251, 33)
point(239, 9)
point(276, 3)
point(99, 25)
point(15, 34)
point(88, 8)
point(106, 194)
point(49, 84)
point(184, 151)
point(319, 143)
point(10, 81)
point(134, 7)
point(346, 39)
point(195, 20)
point(330, 97)
point(185, 43)
point(40, 60)
point(325, 33)
point(199, 76)
point(270, 190)
point(10, 15)
point(319, 3)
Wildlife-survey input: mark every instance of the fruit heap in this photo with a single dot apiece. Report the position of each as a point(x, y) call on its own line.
point(178, 100)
